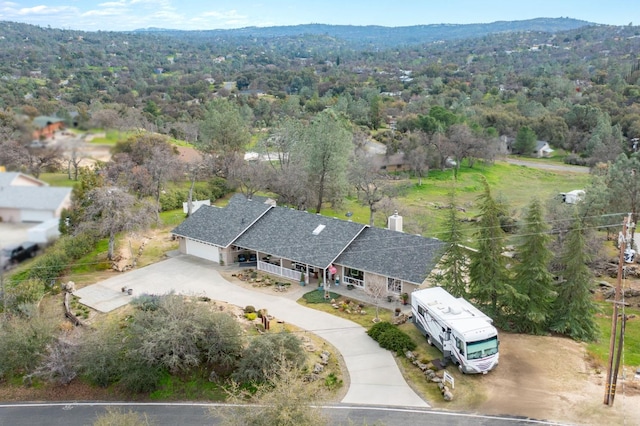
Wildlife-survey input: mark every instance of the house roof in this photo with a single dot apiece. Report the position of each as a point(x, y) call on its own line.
point(300, 236)
point(10, 178)
point(43, 121)
point(221, 226)
point(543, 145)
point(33, 197)
point(393, 254)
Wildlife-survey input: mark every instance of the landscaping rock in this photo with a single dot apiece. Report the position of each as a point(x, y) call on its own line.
point(410, 355)
point(448, 396)
point(324, 357)
point(435, 379)
point(318, 368)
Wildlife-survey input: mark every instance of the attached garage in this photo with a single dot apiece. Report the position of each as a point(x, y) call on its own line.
point(30, 215)
point(203, 250)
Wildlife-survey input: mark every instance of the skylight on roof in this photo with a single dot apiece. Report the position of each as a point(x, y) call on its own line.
point(318, 229)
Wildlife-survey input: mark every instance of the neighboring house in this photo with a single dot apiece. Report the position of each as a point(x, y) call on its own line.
point(542, 149)
point(290, 243)
point(26, 199)
point(46, 126)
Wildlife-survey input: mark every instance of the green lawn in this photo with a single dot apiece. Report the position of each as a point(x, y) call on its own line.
point(57, 179)
point(600, 349)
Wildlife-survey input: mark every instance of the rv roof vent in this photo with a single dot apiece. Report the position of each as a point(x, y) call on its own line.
point(455, 310)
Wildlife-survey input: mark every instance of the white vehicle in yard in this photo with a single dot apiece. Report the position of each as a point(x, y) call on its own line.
point(462, 332)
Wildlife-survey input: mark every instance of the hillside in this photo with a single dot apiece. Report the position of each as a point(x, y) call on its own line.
point(362, 37)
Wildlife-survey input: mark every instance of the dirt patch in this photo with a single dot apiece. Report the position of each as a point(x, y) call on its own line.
point(544, 377)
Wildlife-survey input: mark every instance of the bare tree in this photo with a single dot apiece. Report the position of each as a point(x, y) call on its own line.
point(195, 170)
point(38, 160)
point(74, 158)
point(60, 362)
point(416, 152)
point(366, 176)
point(376, 288)
point(289, 176)
point(145, 163)
point(113, 210)
point(250, 176)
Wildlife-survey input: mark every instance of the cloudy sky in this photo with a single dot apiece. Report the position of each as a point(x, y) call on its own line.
point(122, 15)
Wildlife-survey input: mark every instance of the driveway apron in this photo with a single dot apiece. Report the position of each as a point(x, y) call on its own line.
point(374, 375)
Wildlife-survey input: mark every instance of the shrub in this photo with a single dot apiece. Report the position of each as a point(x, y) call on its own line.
point(379, 328)
point(251, 316)
point(22, 343)
point(249, 309)
point(397, 341)
point(139, 376)
point(267, 355)
point(147, 302)
point(25, 292)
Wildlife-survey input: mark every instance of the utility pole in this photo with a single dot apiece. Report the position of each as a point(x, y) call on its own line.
point(615, 342)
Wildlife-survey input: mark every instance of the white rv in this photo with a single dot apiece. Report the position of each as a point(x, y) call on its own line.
point(462, 332)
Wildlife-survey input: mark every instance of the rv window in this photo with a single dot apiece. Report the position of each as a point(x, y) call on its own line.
point(420, 310)
point(460, 345)
point(482, 348)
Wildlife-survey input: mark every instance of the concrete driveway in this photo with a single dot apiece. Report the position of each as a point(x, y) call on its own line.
point(374, 375)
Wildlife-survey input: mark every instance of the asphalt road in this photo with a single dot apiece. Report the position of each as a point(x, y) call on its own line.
point(159, 414)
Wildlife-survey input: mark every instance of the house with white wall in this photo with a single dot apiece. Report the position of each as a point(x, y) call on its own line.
point(24, 198)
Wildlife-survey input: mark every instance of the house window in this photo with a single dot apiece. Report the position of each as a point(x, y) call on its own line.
point(394, 285)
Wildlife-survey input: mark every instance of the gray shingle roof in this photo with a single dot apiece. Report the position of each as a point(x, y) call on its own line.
point(289, 234)
point(394, 254)
point(221, 226)
point(33, 197)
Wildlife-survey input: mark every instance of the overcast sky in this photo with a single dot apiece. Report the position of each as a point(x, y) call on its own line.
point(122, 15)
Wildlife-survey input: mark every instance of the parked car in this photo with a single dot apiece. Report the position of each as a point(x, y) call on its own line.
point(14, 254)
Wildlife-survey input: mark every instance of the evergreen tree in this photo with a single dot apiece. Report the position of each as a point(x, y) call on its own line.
point(533, 281)
point(455, 260)
point(488, 277)
point(574, 308)
point(525, 142)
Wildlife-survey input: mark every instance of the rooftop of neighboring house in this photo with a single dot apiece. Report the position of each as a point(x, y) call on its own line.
point(33, 197)
point(19, 179)
point(43, 121)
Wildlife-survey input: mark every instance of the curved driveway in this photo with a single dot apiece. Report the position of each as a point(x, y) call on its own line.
point(374, 375)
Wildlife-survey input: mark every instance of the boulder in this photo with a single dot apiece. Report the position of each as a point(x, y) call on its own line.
point(318, 368)
point(409, 355)
point(448, 396)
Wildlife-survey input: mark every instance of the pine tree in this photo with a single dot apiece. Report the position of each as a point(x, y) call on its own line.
point(489, 279)
point(454, 261)
point(574, 307)
point(533, 281)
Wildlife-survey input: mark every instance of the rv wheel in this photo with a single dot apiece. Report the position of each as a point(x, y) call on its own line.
point(460, 369)
point(429, 340)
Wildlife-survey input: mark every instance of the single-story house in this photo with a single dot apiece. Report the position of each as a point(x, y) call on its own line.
point(299, 245)
point(24, 198)
point(542, 149)
point(46, 126)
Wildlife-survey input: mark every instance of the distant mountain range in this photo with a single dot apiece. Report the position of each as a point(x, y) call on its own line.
point(389, 36)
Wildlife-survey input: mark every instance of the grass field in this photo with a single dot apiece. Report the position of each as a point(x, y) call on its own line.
point(600, 349)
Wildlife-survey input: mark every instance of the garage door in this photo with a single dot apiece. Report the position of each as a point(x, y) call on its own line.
point(205, 251)
point(35, 215)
